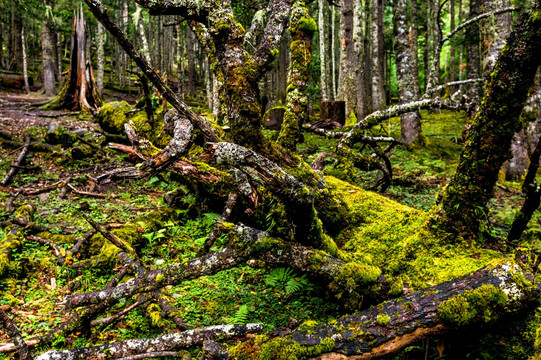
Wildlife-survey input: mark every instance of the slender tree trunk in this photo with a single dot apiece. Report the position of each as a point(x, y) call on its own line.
point(367, 60)
point(322, 49)
point(333, 52)
point(25, 62)
point(347, 90)
point(301, 29)
point(410, 122)
point(191, 62)
point(48, 60)
point(358, 43)
point(452, 49)
point(413, 44)
point(378, 92)
point(435, 41)
point(16, 43)
point(472, 52)
point(101, 57)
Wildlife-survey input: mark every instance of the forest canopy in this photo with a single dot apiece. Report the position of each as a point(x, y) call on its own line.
point(281, 179)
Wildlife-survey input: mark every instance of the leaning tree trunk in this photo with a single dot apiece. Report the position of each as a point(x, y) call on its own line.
point(463, 204)
point(302, 28)
point(79, 92)
point(410, 122)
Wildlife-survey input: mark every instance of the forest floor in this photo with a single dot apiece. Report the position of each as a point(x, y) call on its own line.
point(35, 283)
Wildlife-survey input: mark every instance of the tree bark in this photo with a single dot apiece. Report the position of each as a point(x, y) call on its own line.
point(322, 6)
point(301, 29)
point(11, 329)
point(410, 122)
point(16, 43)
point(79, 92)
point(48, 59)
point(473, 64)
point(378, 90)
point(347, 90)
point(25, 62)
point(101, 58)
point(494, 33)
point(462, 206)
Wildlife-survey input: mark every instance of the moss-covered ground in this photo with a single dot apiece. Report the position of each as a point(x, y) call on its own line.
point(384, 236)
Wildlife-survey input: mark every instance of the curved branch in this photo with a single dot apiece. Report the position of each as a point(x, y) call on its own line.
point(279, 15)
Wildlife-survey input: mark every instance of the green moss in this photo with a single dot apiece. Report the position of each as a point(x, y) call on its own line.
point(279, 349)
point(389, 235)
point(306, 24)
point(383, 319)
point(480, 304)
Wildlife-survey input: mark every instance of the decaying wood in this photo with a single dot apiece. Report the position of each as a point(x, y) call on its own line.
point(319, 162)
point(9, 347)
point(91, 194)
point(361, 335)
point(216, 231)
point(109, 236)
point(13, 170)
point(11, 329)
point(166, 342)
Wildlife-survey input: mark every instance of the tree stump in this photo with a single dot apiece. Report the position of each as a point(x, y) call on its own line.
point(333, 111)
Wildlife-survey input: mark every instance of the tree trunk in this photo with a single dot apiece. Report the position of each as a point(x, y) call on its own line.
point(347, 90)
point(302, 28)
point(452, 49)
point(79, 92)
point(462, 206)
point(191, 62)
point(25, 63)
point(322, 49)
point(472, 52)
point(411, 122)
point(494, 33)
point(358, 45)
point(16, 43)
point(414, 46)
point(378, 91)
point(48, 60)
point(333, 53)
point(101, 58)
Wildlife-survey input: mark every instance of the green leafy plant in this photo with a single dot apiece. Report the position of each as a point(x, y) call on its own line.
point(240, 318)
point(285, 279)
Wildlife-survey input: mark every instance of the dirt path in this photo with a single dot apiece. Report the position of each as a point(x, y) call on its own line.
point(17, 114)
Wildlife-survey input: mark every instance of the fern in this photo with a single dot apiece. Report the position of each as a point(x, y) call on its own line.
point(285, 279)
point(240, 318)
point(278, 276)
point(298, 284)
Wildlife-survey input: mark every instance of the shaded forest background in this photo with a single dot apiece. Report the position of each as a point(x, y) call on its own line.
point(274, 232)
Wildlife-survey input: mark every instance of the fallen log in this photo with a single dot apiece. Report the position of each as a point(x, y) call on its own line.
point(166, 342)
point(14, 81)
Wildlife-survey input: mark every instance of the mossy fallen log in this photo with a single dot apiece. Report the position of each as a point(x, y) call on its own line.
point(384, 330)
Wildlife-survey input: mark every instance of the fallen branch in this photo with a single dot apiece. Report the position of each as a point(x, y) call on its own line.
point(92, 194)
point(13, 170)
point(216, 231)
point(166, 342)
